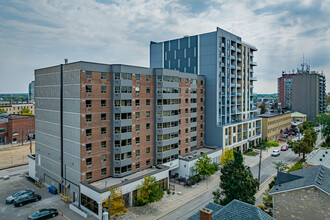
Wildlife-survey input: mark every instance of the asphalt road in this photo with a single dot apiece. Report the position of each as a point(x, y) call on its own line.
point(267, 170)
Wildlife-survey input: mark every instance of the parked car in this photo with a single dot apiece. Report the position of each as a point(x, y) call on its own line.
point(24, 199)
point(284, 148)
point(43, 214)
point(276, 153)
point(10, 199)
point(248, 168)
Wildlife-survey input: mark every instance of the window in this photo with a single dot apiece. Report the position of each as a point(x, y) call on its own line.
point(148, 102)
point(137, 114)
point(103, 117)
point(103, 75)
point(202, 135)
point(187, 130)
point(103, 89)
point(148, 78)
point(137, 76)
point(148, 150)
point(186, 111)
point(137, 102)
point(88, 103)
point(137, 165)
point(88, 132)
point(103, 130)
point(186, 140)
point(148, 90)
point(88, 147)
point(104, 103)
point(137, 140)
point(202, 99)
point(88, 74)
point(89, 161)
point(88, 175)
point(137, 153)
point(88, 118)
point(137, 127)
point(148, 138)
point(103, 171)
point(88, 89)
point(186, 150)
point(137, 89)
point(186, 81)
point(186, 120)
point(148, 114)
point(103, 144)
point(187, 90)
point(103, 157)
point(187, 101)
point(148, 126)
point(148, 162)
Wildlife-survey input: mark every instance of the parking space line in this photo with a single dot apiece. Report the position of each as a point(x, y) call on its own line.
point(60, 213)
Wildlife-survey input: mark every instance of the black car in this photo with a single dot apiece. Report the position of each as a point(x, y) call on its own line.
point(10, 199)
point(21, 200)
point(43, 214)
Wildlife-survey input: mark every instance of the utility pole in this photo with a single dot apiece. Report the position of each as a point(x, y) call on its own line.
point(22, 135)
point(259, 167)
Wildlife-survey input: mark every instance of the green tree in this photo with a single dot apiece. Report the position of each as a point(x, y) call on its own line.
point(280, 166)
point(274, 106)
point(204, 166)
point(296, 147)
point(227, 156)
point(26, 111)
point(2, 110)
point(262, 107)
point(324, 121)
point(307, 125)
point(236, 182)
point(117, 204)
point(148, 191)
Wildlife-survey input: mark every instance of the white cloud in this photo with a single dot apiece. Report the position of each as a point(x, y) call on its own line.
point(41, 33)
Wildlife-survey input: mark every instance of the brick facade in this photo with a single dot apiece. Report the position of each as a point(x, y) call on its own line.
point(308, 203)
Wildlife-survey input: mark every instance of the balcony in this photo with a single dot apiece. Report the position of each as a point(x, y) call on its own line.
point(232, 48)
point(233, 93)
point(232, 57)
point(222, 45)
point(239, 59)
point(233, 66)
point(239, 103)
point(222, 54)
point(239, 85)
point(239, 111)
point(239, 77)
point(251, 71)
point(232, 75)
point(251, 55)
point(239, 68)
point(239, 94)
point(239, 50)
point(232, 85)
point(253, 78)
point(253, 63)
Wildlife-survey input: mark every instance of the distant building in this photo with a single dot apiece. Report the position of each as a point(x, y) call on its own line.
point(16, 109)
point(274, 123)
point(303, 91)
point(235, 210)
point(302, 194)
point(15, 128)
point(298, 117)
point(31, 91)
point(228, 66)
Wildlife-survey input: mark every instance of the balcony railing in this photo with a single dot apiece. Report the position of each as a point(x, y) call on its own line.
point(253, 78)
point(239, 77)
point(253, 63)
point(239, 59)
point(232, 57)
point(232, 48)
point(239, 50)
point(239, 94)
point(239, 68)
point(233, 66)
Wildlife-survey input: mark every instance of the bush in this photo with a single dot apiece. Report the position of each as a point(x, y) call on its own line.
point(168, 192)
point(251, 153)
point(297, 166)
point(261, 207)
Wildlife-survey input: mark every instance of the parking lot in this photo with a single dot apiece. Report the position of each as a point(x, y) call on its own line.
point(17, 183)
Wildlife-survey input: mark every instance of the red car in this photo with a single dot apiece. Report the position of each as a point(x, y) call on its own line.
point(284, 148)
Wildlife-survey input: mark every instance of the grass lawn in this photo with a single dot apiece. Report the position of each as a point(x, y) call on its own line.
point(297, 166)
point(251, 153)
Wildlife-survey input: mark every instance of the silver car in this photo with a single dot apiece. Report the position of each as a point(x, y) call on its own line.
point(10, 199)
point(276, 153)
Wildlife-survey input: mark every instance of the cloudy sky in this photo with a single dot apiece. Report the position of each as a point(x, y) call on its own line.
point(41, 33)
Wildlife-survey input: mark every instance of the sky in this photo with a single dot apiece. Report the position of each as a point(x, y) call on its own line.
point(41, 33)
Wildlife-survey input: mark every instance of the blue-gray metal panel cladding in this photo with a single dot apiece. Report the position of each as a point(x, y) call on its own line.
point(156, 58)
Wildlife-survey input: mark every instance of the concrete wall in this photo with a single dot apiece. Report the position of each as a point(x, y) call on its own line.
point(309, 203)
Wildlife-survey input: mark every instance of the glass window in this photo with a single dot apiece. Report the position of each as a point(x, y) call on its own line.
point(137, 89)
point(88, 88)
point(148, 150)
point(137, 140)
point(103, 157)
point(148, 78)
point(148, 90)
point(103, 75)
point(103, 89)
point(148, 102)
point(148, 114)
point(137, 127)
point(137, 153)
point(137, 165)
point(148, 126)
point(148, 162)
point(88, 147)
point(137, 76)
point(88, 118)
point(104, 103)
point(88, 74)
point(137, 102)
point(103, 130)
point(137, 114)
point(88, 132)
point(103, 171)
point(103, 117)
point(103, 144)
point(88, 175)
point(148, 138)
point(88, 161)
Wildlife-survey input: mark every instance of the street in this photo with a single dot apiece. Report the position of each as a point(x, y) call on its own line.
point(267, 170)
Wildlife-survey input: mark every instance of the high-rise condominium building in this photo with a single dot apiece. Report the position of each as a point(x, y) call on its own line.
point(31, 91)
point(303, 91)
point(95, 121)
point(227, 64)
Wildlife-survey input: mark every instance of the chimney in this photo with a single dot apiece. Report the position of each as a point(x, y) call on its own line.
point(65, 61)
point(205, 214)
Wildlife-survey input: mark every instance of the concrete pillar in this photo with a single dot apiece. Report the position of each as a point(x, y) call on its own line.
point(130, 198)
point(100, 210)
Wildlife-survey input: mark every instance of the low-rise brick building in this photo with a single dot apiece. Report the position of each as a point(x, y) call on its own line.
point(15, 128)
point(302, 194)
point(274, 123)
